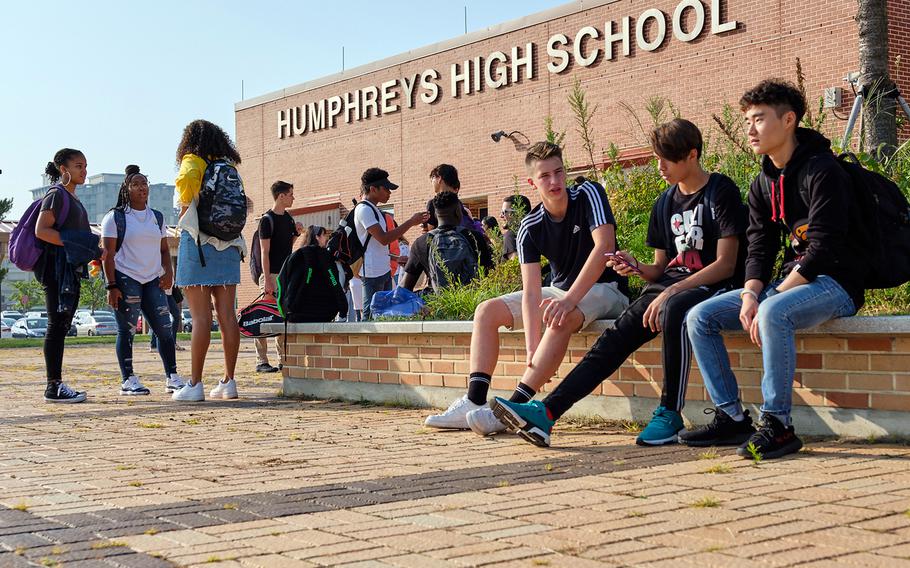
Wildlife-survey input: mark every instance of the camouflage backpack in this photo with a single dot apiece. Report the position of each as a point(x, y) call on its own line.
point(222, 202)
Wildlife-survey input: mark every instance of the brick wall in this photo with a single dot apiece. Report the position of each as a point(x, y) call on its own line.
point(847, 364)
point(699, 77)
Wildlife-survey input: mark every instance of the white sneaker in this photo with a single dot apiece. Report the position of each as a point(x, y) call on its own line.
point(225, 390)
point(132, 387)
point(454, 416)
point(174, 382)
point(190, 393)
point(484, 423)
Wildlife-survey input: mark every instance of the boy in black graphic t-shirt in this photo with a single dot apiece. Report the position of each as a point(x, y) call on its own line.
point(695, 229)
point(573, 228)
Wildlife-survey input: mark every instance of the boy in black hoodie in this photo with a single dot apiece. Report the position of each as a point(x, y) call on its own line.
point(803, 194)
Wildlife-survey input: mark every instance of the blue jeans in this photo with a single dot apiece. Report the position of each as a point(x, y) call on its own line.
point(779, 316)
point(175, 322)
point(152, 302)
point(371, 286)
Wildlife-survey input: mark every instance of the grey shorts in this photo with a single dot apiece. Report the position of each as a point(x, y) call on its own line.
point(603, 301)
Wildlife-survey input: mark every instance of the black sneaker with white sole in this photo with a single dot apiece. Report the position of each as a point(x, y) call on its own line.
point(722, 431)
point(266, 368)
point(59, 392)
point(772, 440)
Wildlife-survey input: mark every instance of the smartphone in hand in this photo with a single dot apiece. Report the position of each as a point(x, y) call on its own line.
point(619, 259)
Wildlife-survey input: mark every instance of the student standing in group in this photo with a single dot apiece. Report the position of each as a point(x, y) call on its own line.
point(277, 233)
point(462, 252)
point(208, 268)
point(376, 274)
point(444, 177)
point(310, 287)
point(802, 196)
point(514, 207)
point(59, 274)
point(573, 228)
point(137, 269)
point(695, 229)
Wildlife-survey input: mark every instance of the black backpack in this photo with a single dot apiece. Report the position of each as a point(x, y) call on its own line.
point(256, 252)
point(739, 274)
point(344, 245)
point(308, 288)
point(120, 223)
point(222, 203)
point(452, 259)
point(880, 223)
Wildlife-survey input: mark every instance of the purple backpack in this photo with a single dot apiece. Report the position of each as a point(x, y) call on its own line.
point(24, 247)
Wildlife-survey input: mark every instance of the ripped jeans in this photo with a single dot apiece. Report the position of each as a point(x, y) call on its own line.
point(152, 302)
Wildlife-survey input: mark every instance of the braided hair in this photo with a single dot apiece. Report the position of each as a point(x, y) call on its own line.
point(123, 197)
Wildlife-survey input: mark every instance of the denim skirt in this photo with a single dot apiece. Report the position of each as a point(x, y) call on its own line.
point(222, 268)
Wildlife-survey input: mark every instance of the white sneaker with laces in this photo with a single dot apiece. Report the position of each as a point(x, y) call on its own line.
point(484, 423)
point(190, 393)
point(132, 387)
point(225, 390)
point(454, 416)
point(174, 382)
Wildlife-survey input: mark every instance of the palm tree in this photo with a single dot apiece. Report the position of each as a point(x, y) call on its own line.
point(880, 125)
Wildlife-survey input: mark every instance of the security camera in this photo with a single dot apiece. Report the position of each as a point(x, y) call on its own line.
point(497, 136)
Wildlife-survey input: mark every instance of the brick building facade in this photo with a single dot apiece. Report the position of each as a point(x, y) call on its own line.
point(404, 115)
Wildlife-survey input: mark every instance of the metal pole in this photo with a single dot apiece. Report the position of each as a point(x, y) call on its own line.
point(854, 113)
point(465, 19)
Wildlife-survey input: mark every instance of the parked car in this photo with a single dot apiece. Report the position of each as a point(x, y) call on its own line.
point(29, 327)
point(14, 314)
point(188, 322)
point(9, 321)
point(6, 330)
point(97, 324)
point(35, 314)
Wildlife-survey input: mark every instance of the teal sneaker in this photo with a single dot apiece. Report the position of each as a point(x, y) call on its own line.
point(529, 419)
point(662, 429)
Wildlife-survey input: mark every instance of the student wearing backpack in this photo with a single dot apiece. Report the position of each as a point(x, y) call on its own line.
point(573, 228)
point(309, 287)
point(213, 213)
point(447, 251)
point(69, 245)
point(277, 233)
point(695, 230)
point(376, 273)
point(444, 177)
point(138, 270)
point(819, 281)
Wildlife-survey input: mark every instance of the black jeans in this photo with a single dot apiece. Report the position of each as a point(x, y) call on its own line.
point(622, 339)
point(58, 324)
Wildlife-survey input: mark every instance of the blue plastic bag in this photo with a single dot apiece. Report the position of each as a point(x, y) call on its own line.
point(399, 302)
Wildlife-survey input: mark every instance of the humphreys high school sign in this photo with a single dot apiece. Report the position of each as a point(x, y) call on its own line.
point(499, 69)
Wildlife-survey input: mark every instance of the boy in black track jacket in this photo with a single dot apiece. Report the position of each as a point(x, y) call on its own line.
point(804, 195)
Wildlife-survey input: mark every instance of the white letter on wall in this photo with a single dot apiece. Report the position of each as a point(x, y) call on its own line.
point(428, 82)
point(560, 57)
point(527, 62)
point(586, 32)
point(699, 25)
point(716, 26)
point(611, 37)
point(657, 16)
point(498, 59)
point(370, 95)
point(389, 95)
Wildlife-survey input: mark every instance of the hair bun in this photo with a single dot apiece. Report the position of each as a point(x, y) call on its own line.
point(132, 169)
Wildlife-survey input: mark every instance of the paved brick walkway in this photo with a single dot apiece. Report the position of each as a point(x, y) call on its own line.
point(264, 482)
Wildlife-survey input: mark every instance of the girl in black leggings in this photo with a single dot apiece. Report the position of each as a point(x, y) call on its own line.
point(55, 270)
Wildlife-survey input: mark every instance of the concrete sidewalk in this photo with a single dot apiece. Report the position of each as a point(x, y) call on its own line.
point(264, 481)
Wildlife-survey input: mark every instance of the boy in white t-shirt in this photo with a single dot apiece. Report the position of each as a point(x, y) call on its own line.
point(376, 273)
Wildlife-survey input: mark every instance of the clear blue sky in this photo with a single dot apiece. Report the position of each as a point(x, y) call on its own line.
point(120, 80)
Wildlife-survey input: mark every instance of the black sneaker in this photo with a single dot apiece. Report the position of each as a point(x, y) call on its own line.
point(772, 440)
point(722, 431)
point(266, 368)
point(61, 393)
